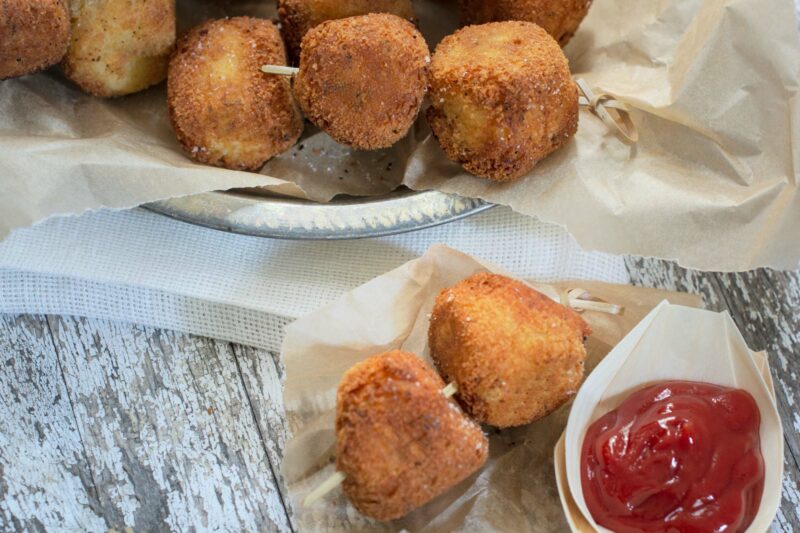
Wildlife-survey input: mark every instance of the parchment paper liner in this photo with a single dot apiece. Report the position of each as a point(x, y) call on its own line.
point(712, 87)
point(516, 491)
point(672, 342)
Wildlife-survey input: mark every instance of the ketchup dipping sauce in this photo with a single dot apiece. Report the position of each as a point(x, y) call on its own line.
point(678, 456)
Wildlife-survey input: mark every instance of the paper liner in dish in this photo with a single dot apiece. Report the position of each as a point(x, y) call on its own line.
point(672, 343)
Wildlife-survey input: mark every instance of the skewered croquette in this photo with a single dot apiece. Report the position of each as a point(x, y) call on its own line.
point(224, 110)
point(515, 354)
point(502, 98)
point(299, 16)
point(362, 79)
point(559, 18)
point(399, 441)
point(119, 47)
point(34, 35)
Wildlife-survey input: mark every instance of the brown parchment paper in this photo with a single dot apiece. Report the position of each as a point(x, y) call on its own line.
point(516, 490)
point(712, 183)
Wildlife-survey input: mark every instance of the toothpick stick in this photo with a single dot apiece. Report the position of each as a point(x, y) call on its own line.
point(337, 478)
point(614, 104)
point(279, 70)
point(603, 307)
point(619, 122)
point(328, 485)
point(578, 300)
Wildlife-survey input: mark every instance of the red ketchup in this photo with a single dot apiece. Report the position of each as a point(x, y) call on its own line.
point(677, 456)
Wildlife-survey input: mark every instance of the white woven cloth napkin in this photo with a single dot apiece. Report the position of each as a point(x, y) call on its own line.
point(139, 267)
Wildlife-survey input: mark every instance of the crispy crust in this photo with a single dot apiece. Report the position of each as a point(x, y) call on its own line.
point(34, 35)
point(502, 98)
point(559, 18)
point(363, 79)
point(399, 441)
point(224, 110)
point(515, 354)
point(119, 48)
point(299, 16)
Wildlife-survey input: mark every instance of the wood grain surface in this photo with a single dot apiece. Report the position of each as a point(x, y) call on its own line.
point(111, 426)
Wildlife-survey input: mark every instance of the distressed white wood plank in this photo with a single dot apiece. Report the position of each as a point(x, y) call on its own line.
point(787, 518)
point(44, 478)
point(168, 431)
point(262, 374)
point(765, 305)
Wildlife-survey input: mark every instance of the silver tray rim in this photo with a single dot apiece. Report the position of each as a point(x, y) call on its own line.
point(247, 213)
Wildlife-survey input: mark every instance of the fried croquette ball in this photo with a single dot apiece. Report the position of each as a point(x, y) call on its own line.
point(224, 110)
point(515, 354)
point(299, 16)
point(399, 441)
point(362, 79)
point(34, 35)
point(119, 47)
point(502, 98)
point(559, 18)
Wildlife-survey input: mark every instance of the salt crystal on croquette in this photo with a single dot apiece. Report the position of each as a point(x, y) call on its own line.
point(224, 111)
point(34, 35)
point(299, 16)
point(399, 441)
point(515, 354)
point(559, 18)
point(502, 98)
point(362, 79)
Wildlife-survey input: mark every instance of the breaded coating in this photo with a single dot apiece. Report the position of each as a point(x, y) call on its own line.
point(559, 18)
point(34, 35)
point(299, 16)
point(362, 79)
point(399, 441)
point(502, 98)
point(515, 354)
point(119, 47)
point(224, 110)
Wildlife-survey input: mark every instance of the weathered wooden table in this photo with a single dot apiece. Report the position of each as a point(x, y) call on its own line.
point(114, 426)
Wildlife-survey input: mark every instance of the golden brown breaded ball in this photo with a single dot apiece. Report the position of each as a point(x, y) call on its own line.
point(399, 441)
point(502, 98)
point(515, 354)
point(119, 47)
point(362, 79)
point(559, 18)
point(34, 35)
point(299, 16)
point(224, 110)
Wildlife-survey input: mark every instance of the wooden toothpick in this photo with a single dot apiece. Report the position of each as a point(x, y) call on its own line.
point(337, 478)
point(324, 488)
point(612, 112)
point(578, 299)
point(279, 70)
point(450, 390)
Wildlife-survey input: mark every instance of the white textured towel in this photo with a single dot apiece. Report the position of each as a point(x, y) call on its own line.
point(140, 267)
